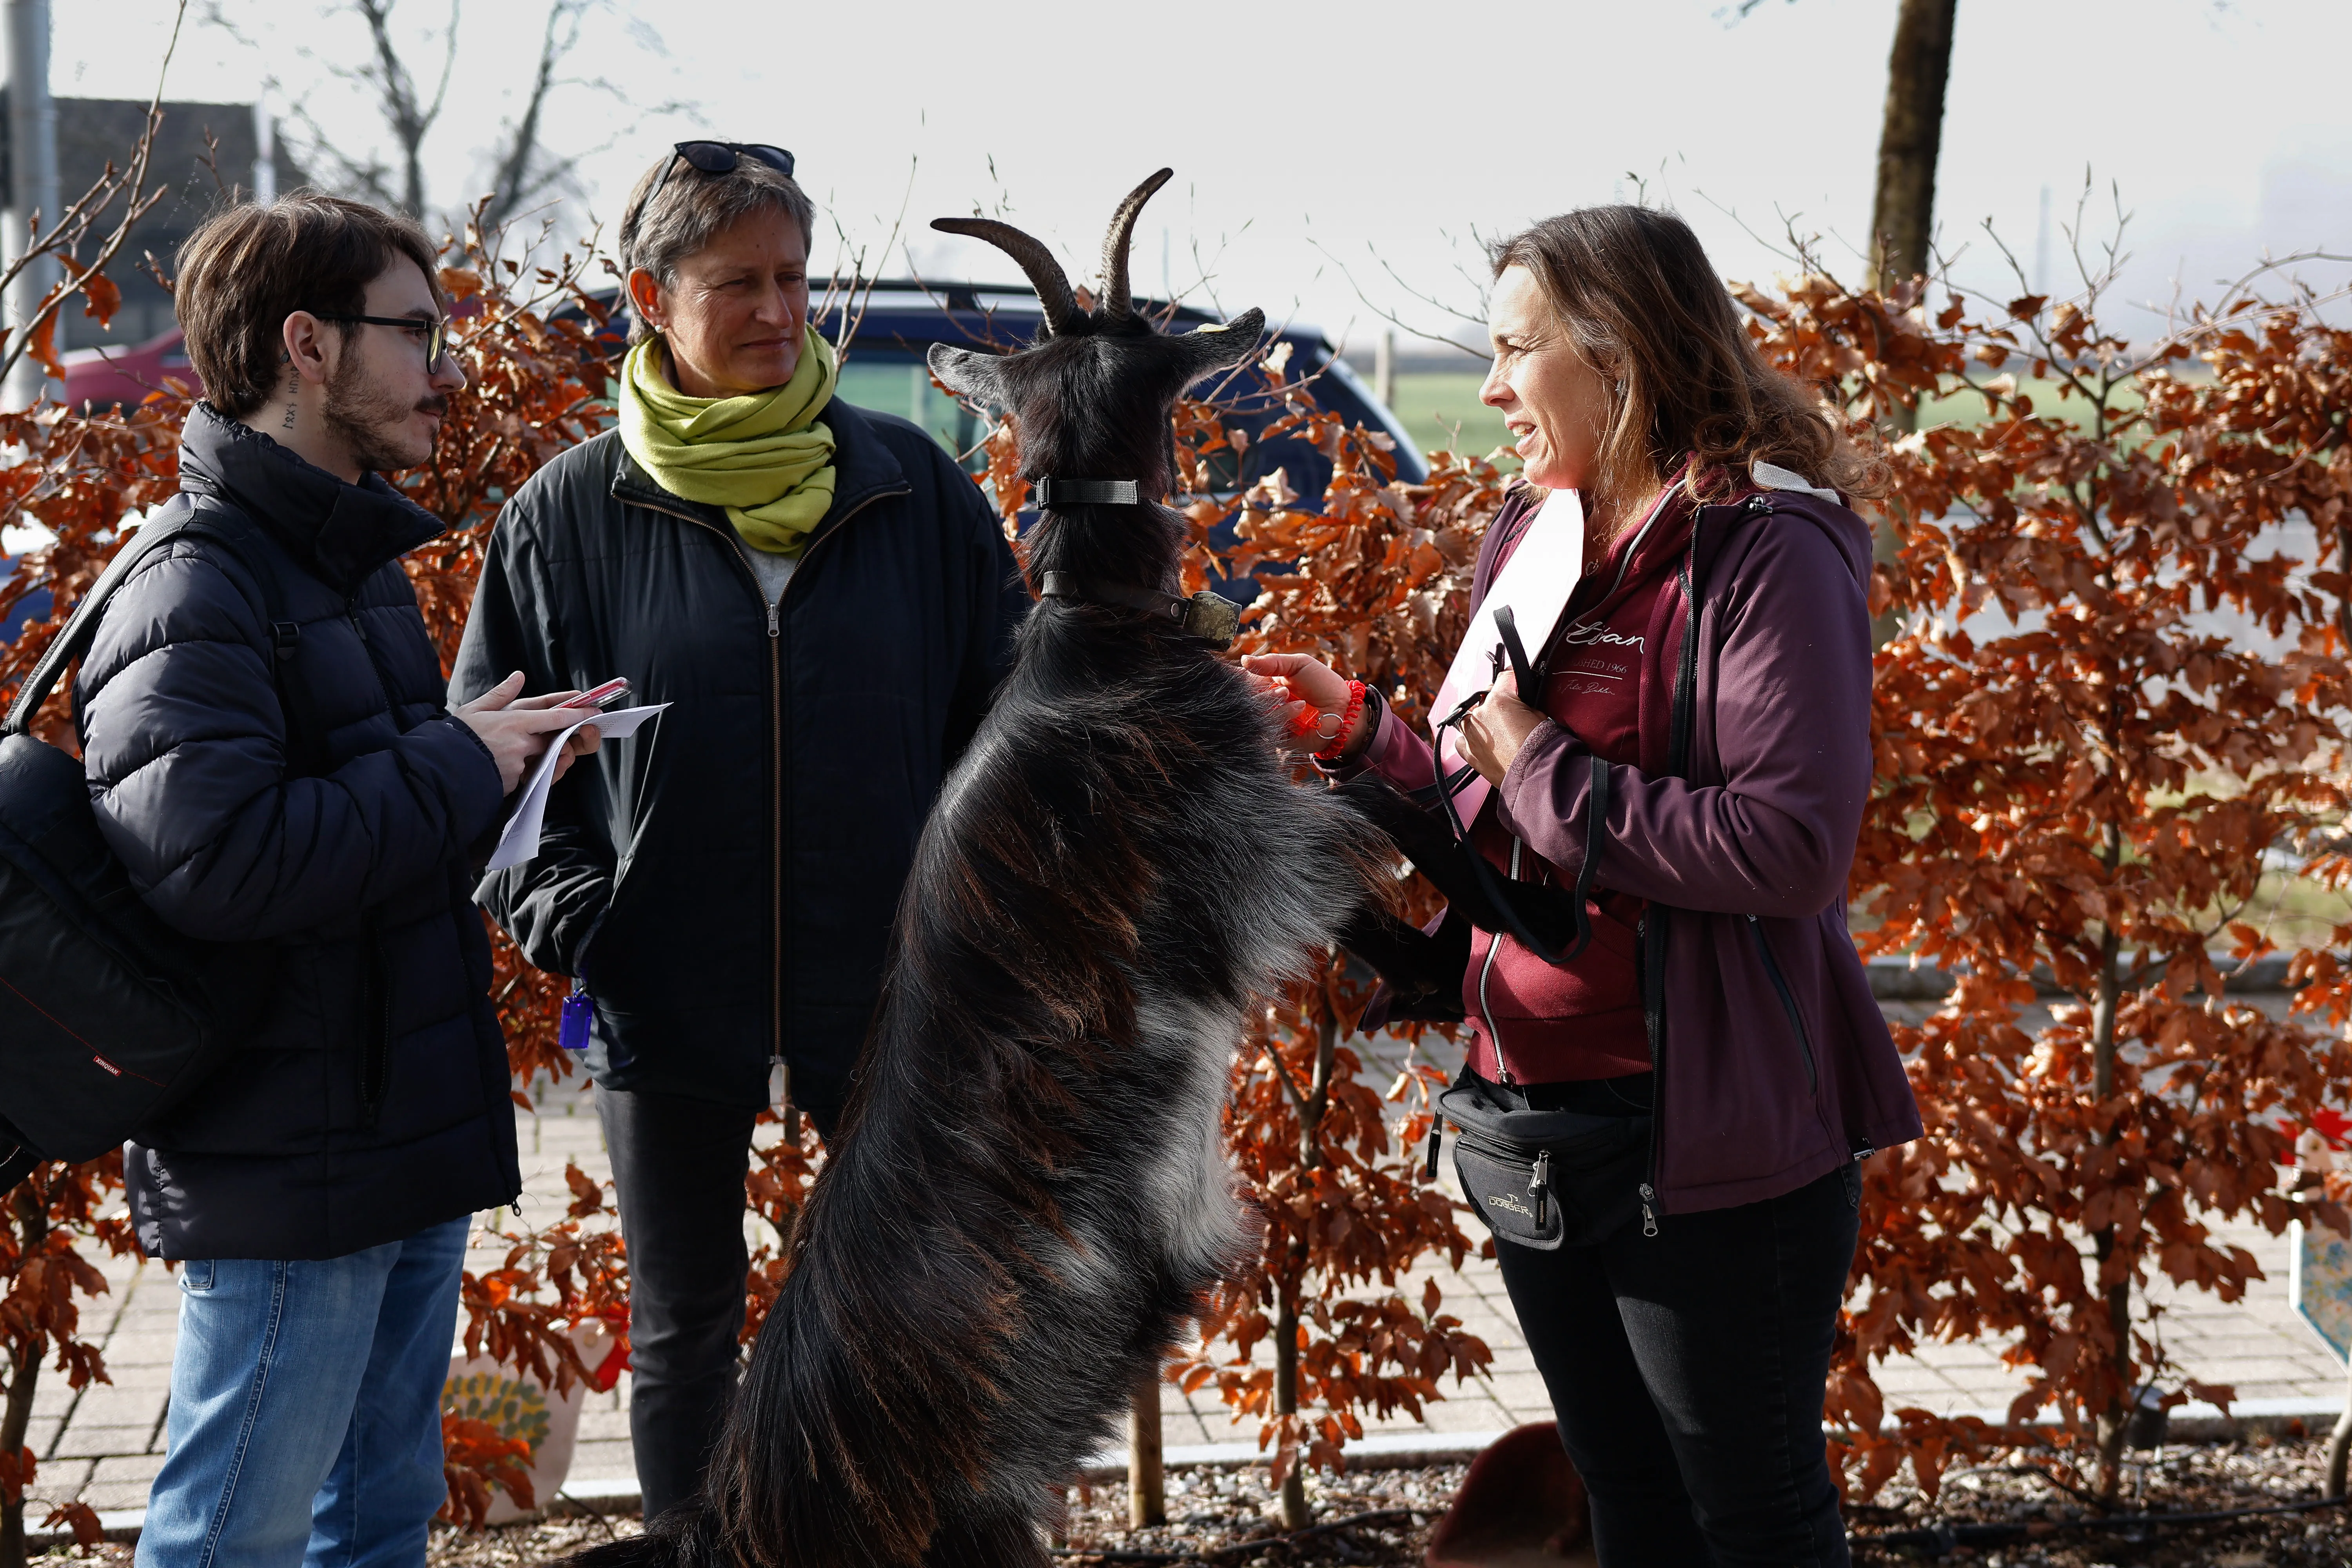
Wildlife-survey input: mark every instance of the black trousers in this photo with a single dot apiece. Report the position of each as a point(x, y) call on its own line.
point(1687, 1370)
point(678, 1169)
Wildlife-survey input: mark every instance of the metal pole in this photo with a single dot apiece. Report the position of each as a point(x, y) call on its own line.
point(265, 151)
point(32, 181)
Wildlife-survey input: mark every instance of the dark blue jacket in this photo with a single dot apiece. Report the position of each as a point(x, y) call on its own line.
point(370, 1101)
point(727, 877)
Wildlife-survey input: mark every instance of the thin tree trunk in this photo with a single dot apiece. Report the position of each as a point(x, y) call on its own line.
point(1903, 205)
point(2343, 563)
point(2339, 1442)
point(1147, 1488)
point(2115, 1421)
point(1902, 208)
point(1295, 1514)
point(17, 1418)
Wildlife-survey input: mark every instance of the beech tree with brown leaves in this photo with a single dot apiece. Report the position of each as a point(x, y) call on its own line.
point(2082, 777)
point(1375, 577)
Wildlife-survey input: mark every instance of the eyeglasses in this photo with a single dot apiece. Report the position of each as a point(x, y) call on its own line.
point(434, 334)
point(720, 158)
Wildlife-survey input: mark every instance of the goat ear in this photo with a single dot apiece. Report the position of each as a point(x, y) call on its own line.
point(978, 376)
point(1210, 349)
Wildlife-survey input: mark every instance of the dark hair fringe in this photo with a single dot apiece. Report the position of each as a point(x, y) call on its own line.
point(1642, 305)
point(250, 266)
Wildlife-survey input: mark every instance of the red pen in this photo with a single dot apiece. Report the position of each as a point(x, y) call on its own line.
point(604, 696)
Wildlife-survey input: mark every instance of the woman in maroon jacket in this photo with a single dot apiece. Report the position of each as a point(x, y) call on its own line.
point(1716, 656)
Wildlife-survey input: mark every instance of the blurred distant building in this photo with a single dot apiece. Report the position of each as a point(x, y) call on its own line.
point(197, 175)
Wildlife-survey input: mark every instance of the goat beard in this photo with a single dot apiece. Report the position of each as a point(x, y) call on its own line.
point(371, 421)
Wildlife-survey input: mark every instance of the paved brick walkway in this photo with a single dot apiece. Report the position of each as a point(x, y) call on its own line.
point(105, 1444)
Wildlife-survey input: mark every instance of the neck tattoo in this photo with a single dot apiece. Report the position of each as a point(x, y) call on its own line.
point(290, 416)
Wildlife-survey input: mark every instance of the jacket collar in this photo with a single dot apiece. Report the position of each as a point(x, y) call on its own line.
point(863, 471)
point(340, 532)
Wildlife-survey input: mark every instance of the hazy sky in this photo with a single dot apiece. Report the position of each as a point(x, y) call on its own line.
point(1311, 140)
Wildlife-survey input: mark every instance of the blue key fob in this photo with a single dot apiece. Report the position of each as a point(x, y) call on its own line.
point(572, 1034)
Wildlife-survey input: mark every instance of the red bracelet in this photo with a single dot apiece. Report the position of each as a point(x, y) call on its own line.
point(1346, 723)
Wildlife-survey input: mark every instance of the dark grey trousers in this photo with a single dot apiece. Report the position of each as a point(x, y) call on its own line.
point(1687, 1368)
point(679, 1167)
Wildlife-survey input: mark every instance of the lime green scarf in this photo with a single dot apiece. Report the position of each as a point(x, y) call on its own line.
point(762, 456)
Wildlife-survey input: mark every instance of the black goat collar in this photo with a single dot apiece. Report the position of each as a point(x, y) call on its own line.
point(1087, 492)
point(1212, 618)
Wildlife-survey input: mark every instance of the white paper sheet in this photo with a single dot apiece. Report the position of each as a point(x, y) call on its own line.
point(1536, 582)
point(519, 840)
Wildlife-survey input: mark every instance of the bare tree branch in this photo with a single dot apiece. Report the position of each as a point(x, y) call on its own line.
point(1399, 322)
point(409, 120)
point(512, 186)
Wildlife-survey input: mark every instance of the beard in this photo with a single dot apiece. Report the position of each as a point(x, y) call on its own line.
point(374, 423)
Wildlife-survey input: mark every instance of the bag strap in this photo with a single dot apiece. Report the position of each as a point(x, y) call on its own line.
point(1596, 821)
point(81, 627)
point(1507, 624)
point(1596, 835)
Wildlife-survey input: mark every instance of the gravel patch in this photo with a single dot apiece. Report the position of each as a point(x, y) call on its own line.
point(2189, 1478)
point(1220, 1511)
point(1227, 1516)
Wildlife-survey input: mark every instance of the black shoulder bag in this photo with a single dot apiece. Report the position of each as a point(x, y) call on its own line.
point(108, 1015)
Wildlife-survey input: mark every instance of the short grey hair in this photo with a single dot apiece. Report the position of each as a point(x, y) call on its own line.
point(694, 208)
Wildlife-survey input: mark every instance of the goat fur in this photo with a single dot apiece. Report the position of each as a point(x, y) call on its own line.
point(1031, 1194)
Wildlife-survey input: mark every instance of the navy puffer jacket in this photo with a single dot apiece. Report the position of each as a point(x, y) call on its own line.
point(370, 1101)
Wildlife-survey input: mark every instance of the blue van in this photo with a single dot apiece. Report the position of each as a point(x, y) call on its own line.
point(885, 370)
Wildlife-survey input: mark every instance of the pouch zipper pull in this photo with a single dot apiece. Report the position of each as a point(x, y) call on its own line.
point(780, 1084)
point(1649, 1219)
point(1436, 1137)
point(1539, 1184)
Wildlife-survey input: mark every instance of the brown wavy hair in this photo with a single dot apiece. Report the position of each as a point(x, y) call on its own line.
point(249, 267)
point(1644, 306)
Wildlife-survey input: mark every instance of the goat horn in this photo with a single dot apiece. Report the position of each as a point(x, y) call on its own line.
point(1117, 300)
point(1046, 274)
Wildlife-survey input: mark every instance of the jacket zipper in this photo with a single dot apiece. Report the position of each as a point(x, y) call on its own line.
point(775, 610)
point(1486, 1010)
point(1656, 1021)
point(1787, 1004)
point(1654, 954)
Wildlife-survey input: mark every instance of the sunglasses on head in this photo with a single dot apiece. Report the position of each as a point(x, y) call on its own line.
point(720, 158)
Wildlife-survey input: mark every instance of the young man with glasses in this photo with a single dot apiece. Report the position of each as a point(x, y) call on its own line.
point(263, 727)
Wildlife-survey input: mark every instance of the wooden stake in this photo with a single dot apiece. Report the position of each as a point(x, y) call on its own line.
point(1147, 1482)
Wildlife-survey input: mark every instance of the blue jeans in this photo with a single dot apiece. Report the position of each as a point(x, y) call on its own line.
point(306, 1409)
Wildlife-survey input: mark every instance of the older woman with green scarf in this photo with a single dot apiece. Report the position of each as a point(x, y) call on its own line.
point(826, 603)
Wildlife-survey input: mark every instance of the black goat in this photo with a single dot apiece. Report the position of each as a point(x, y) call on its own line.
point(1031, 1194)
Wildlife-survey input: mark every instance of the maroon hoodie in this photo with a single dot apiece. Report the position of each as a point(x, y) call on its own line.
point(1736, 828)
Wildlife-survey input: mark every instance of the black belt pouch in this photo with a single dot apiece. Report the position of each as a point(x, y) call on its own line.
point(1544, 1179)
